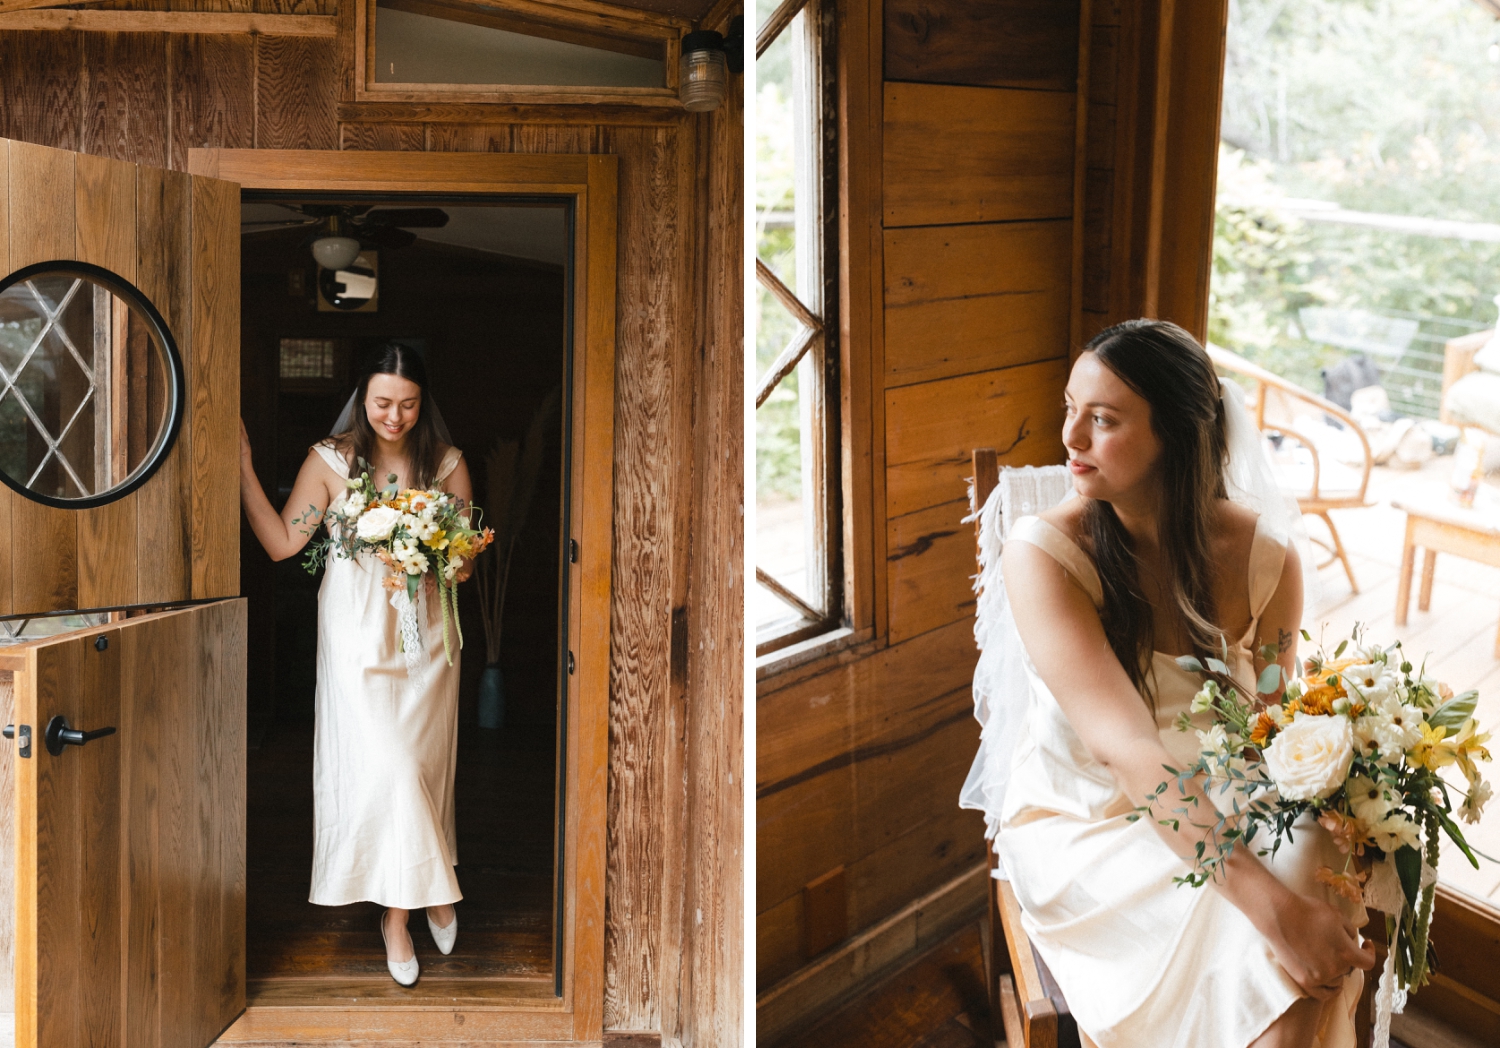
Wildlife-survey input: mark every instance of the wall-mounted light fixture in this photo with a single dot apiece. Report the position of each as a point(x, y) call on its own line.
point(707, 60)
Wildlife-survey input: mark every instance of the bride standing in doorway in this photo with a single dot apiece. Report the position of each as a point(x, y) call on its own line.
point(385, 742)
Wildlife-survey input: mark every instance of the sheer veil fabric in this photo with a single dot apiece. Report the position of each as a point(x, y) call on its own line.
point(1001, 688)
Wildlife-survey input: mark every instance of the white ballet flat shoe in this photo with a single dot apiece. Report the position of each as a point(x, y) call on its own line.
point(404, 972)
point(444, 937)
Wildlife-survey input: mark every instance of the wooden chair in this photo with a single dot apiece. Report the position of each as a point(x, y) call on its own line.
point(1023, 995)
point(1316, 501)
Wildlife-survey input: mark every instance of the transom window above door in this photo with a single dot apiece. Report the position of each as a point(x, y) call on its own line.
point(517, 50)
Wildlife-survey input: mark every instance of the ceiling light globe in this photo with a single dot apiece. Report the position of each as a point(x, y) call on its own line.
point(335, 252)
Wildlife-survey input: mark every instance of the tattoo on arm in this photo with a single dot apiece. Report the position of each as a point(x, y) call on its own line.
point(1284, 641)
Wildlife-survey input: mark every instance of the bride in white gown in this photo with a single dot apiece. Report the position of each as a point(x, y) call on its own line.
point(1153, 561)
point(385, 744)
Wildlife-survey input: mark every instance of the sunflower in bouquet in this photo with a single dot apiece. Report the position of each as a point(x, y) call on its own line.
point(415, 532)
point(1360, 742)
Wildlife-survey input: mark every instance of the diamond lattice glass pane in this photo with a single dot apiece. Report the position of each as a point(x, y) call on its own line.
point(781, 528)
point(86, 385)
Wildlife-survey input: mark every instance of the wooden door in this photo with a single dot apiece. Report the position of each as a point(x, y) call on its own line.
point(175, 238)
point(130, 848)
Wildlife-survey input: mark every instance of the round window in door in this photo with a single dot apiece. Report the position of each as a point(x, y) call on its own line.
point(91, 385)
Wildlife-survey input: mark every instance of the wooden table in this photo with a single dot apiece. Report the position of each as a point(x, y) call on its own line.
point(1440, 525)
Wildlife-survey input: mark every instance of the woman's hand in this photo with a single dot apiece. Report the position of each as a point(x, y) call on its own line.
point(246, 461)
point(1316, 945)
point(465, 570)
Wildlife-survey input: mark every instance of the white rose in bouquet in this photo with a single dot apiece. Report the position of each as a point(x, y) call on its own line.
point(1310, 757)
point(376, 524)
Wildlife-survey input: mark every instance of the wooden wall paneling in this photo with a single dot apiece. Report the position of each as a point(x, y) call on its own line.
point(213, 94)
point(164, 554)
point(930, 554)
point(1098, 235)
point(960, 299)
point(566, 138)
point(798, 817)
point(382, 136)
point(933, 851)
point(457, 138)
point(1009, 43)
point(215, 386)
point(976, 154)
point(860, 312)
point(640, 654)
point(105, 196)
point(932, 429)
point(124, 82)
point(44, 540)
point(715, 595)
point(7, 497)
point(778, 941)
point(39, 78)
point(295, 89)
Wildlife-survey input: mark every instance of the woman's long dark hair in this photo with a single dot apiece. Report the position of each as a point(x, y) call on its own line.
point(424, 448)
point(1169, 369)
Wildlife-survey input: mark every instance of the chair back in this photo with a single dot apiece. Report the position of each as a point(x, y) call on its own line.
point(1023, 490)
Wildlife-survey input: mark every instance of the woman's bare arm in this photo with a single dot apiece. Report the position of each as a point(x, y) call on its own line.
point(284, 534)
point(1065, 639)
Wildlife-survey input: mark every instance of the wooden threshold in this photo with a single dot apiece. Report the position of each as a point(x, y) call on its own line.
point(436, 993)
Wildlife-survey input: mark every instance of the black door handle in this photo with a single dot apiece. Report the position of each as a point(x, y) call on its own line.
point(60, 735)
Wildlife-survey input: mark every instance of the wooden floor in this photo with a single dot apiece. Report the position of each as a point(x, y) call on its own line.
point(505, 842)
point(1457, 633)
point(938, 1001)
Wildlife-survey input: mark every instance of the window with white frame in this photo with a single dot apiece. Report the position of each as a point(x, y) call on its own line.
point(798, 559)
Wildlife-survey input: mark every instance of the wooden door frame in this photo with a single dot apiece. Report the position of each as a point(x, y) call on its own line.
point(591, 183)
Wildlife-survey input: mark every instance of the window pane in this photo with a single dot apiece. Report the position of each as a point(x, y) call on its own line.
point(471, 46)
point(786, 164)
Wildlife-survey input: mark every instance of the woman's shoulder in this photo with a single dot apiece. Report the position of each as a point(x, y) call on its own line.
point(1067, 517)
point(333, 453)
point(449, 457)
point(1234, 530)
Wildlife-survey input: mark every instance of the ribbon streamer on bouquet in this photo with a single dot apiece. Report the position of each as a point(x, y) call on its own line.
point(1383, 892)
point(409, 614)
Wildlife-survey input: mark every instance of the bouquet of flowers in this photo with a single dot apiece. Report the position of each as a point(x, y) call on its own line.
point(1358, 742)
point(414, 532)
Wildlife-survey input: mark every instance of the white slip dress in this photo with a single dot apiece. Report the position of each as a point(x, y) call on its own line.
point(1143, 962)
point(385, 745)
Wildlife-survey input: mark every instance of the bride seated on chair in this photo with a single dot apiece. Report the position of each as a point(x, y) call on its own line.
point(1176, 544)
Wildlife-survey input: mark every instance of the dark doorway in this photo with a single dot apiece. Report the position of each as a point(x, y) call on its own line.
point(484, 298)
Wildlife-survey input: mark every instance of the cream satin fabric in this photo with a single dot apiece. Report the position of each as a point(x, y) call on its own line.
point(385, 747)
point(1145, 963)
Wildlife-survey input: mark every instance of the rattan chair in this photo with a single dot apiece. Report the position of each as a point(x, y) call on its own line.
point(1317, 498)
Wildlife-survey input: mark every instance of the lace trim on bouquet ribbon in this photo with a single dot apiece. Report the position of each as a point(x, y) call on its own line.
point(409, 615)
point(1383, 892)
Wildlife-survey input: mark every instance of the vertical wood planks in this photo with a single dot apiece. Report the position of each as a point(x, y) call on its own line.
point(124, 82)
point(642, 550)
point(408, 137)
point(97, 768)
point(39, 87)
point(294, 86)
point(213, 89)
point(8, 761)
point(106, 231)
point(214, 381)
point(54, 881)
point(42, 228)
point(148, 676)
point(164, 275)
point(1009, 43)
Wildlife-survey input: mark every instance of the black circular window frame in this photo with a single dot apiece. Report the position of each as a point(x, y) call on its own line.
point(177, 395)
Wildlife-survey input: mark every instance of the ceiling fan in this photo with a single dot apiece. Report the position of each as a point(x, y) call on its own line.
point(339, 231)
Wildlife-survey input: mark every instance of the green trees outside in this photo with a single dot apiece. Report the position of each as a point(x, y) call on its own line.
point(1383, 106)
